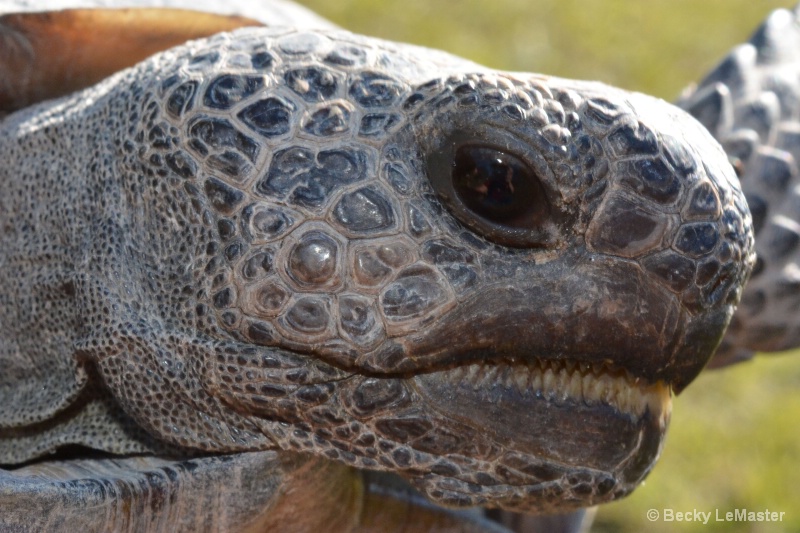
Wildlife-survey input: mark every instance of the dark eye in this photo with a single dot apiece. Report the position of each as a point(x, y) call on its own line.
point(493, 192)
point(495, 185)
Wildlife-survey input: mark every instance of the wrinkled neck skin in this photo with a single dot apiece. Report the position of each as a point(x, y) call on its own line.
point(266, 255)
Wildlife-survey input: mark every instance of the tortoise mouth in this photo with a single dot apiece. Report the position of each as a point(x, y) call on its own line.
point(569, 382)
point(577, 416)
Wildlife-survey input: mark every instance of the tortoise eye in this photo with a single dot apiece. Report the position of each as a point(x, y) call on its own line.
point(494, 192)
point(495, 185)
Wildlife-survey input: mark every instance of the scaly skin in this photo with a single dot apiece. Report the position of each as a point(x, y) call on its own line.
point(251, 243)
point(750, 103)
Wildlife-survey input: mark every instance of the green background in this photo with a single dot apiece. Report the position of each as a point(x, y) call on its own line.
point(734, 440)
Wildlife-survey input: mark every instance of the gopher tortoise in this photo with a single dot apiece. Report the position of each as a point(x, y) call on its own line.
point(262, 273)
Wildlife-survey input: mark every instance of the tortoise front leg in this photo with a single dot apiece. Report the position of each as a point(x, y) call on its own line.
point(260, 491)
point(248, 492)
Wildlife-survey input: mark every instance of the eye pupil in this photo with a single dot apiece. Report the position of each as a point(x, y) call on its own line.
point(493, 184)
point(494, 192)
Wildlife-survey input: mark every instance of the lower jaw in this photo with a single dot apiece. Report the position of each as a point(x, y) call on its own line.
point(577, 417)
point(569, 383)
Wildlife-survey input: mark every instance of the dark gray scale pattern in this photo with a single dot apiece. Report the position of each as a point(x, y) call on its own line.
point(220, 134)
point(222, 197)
point(270, 117)
point(266, 223)
point(375, 89)
point(683, 209)
point(270, 298)
point(332, 119)
point(257, 265)
point(378, 124)
point(181, 99)
point(228, 90)
point(756, 90)
point(313, 84)
point(365, 211)
point(313, 259)
point(654, 179)
point(306, 179)
point(309, 314)
point(416, 292)
point(358, 319)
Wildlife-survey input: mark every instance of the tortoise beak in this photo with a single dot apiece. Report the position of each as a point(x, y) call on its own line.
point(600, 312)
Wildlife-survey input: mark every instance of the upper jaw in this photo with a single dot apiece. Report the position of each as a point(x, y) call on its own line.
point(591, 312)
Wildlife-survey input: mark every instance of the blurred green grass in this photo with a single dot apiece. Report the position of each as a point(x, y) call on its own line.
point(654, 46)
point(734, 440)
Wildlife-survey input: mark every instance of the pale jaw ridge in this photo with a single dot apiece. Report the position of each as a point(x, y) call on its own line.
point(562, 381)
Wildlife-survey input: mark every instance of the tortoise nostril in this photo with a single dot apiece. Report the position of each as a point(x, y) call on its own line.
point(494, 184)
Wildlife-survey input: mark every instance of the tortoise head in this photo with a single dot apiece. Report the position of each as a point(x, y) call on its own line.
point(487, 282)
